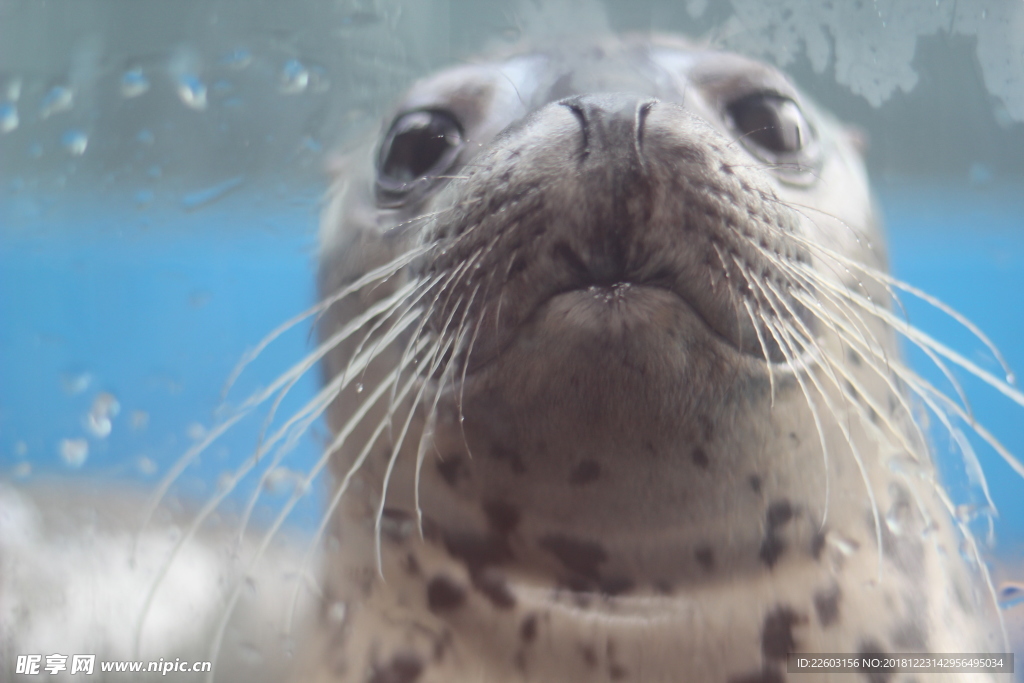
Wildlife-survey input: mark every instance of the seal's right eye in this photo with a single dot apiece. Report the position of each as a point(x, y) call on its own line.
point(420, 146)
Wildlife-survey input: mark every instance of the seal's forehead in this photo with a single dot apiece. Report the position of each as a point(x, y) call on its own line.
point(669, 72)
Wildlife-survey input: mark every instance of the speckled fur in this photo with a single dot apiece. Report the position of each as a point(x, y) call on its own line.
point(616, 489)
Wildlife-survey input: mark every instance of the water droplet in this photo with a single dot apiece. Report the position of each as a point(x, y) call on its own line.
point(8, 117)
point(99, 426)
point(74, 141)
point(294, 77)
point(359, 388)
point(74, 452)
point(192, 91)
point(134, 83)
point(99, 420)
point(57, 99)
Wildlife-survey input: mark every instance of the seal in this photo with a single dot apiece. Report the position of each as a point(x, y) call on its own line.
point(615, 388)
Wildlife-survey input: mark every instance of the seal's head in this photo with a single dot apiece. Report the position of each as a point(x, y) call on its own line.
point(613, 323)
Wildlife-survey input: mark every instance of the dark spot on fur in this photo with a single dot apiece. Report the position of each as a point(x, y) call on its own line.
point(616, 672)
point(503, 517)
point(755, 483)
point(581, 557)
point(777, 639)
point(513, 459)
point(404, 667)
point(528, 629)
point(476, 550)
point(585, 472)
point(494, 587)
point(412, 565)
point(853, 357)
point(705, 557)
point(451, 469)
point(772, 548)
point(765, 675)
point(779, 514)
point(663, 586)
point(871, 648)
point(700, 458)
point(589, 656)
point(826, 604)
point(444, 594)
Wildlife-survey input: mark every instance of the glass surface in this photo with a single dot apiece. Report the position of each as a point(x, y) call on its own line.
point(162, 164)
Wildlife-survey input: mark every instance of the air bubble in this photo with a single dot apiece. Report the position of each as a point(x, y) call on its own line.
point(359, 388)
point(8, 117)
point(74, 452)
point(294, 77)
point(134, 83)
point(99, 420)
point(75, 142)
point(192, 91)
point(57, 99)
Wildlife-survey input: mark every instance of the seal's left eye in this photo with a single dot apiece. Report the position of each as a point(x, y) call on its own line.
point(773, 123)
point(419, 146)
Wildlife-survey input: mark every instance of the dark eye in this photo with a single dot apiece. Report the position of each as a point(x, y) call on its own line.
point(773, 123)
point(419, 146)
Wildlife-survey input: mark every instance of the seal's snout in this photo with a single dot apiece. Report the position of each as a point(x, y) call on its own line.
point(603, 190)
